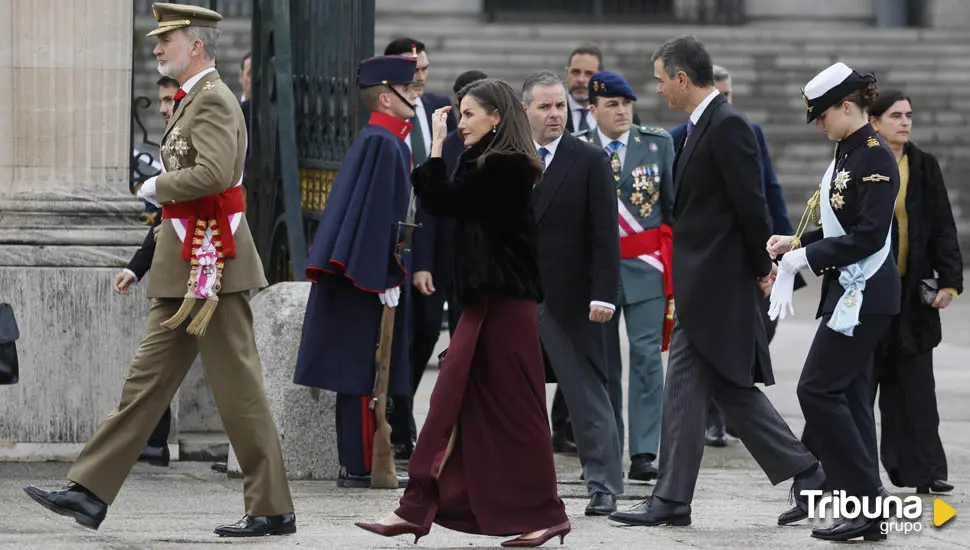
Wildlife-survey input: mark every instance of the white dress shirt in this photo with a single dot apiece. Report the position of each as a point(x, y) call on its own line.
point(623, 139)
point(190, 83)
point(419, 112)
point(551, 147)
point(695, 116)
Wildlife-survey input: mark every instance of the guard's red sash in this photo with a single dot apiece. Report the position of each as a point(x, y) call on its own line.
point(655, 248)
point(649, 242)
point(213, 207)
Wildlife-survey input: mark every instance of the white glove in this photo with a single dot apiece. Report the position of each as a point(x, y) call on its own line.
point(147, 191)
point(781, 293)
point(794, 261)
point(390, 297)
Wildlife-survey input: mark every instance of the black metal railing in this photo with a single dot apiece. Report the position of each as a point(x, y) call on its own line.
point(305, 115)
point(716, 12)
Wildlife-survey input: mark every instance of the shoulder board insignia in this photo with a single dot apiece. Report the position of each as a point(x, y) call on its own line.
point(875, 178)
point(872, 142)
point(654, 130)
point(208, 86)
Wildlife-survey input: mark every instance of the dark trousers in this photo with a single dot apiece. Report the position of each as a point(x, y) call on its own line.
point(355, 433)
point(691, 383)
point(427, 315)
point(159, 437)
point(835, 393)
point(912, 452)
point(715, 419)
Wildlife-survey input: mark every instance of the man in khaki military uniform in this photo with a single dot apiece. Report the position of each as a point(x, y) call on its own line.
point(204, 244)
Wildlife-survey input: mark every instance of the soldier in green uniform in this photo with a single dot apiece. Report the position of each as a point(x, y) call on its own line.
point(641, 159)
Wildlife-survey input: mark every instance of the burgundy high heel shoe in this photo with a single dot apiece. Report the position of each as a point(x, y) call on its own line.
point(393, 530)
point(560, 531)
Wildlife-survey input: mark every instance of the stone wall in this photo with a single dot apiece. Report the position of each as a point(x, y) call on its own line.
point(67, 221)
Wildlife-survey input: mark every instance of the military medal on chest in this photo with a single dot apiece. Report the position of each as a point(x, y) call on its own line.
point(615, 166)
point(646, 188)
point(839, 184)
point(175, 148)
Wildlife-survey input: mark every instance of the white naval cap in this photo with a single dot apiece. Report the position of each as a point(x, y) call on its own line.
point(830, 86)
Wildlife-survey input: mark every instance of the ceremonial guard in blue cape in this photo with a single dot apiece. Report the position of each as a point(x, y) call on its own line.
point(860, 290)
point(355, 271)
point(641, 159)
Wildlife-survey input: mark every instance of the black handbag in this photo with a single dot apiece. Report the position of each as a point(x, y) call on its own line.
point(9, 368)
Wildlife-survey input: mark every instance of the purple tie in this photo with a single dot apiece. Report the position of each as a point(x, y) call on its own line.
point(690, 126)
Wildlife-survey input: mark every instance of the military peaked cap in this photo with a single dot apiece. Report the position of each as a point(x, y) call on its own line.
point(177, 16)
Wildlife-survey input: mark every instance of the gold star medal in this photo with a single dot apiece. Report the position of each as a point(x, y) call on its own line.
point(837, 201)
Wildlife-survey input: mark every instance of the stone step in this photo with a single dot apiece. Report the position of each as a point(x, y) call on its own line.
point(203, 446)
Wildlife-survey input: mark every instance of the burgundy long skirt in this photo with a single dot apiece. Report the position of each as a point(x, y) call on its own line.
point(500, 478)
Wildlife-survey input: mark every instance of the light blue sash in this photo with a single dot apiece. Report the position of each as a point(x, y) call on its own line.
point(852, 278)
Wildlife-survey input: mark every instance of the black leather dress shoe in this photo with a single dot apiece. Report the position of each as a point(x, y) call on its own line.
point(938, 486)
point(642, 468)
point(715, 436)
point(72, 501)
point(815, 480)
point(655, 511)
point(562, 444)
point(601, 504)
point(358, 481)
point(848, 529)
point(156, 456)
point(259, 526)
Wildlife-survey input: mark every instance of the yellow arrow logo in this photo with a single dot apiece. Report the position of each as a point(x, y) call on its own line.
point(942, 512)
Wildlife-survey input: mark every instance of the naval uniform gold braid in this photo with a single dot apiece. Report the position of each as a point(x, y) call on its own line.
point(812, 212)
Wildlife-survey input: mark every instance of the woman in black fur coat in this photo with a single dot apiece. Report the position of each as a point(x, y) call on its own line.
point(483, 462)
point(928, 257)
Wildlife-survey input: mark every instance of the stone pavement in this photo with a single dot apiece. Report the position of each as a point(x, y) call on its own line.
point(735, 506)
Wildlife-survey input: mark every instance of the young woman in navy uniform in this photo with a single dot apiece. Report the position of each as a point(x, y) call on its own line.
point(860, 290)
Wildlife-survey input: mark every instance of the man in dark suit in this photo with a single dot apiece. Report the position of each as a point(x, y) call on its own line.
point(428, 303)
point(717, 430)
point(579, 263)
point(720, 266)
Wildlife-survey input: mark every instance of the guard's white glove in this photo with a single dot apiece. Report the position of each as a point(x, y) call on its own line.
point(781, 293)
point(794, 261)
point(390, 297)
point(147, 191)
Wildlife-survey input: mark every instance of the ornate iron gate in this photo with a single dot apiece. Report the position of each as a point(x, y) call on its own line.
point(305, 115)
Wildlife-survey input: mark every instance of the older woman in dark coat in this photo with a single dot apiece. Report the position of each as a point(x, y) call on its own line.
point(928, 257)
point(483, 462)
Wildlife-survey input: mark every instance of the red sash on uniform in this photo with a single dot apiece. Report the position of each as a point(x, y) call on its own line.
point(649, 242)
point(213, 207)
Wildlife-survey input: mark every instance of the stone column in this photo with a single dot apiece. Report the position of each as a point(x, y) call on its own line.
point(67, 219)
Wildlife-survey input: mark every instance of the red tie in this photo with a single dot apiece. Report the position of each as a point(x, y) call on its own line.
point(179, 94)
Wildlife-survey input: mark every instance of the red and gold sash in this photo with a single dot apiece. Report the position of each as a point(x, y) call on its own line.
point(654, 247)
point(210, 243)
